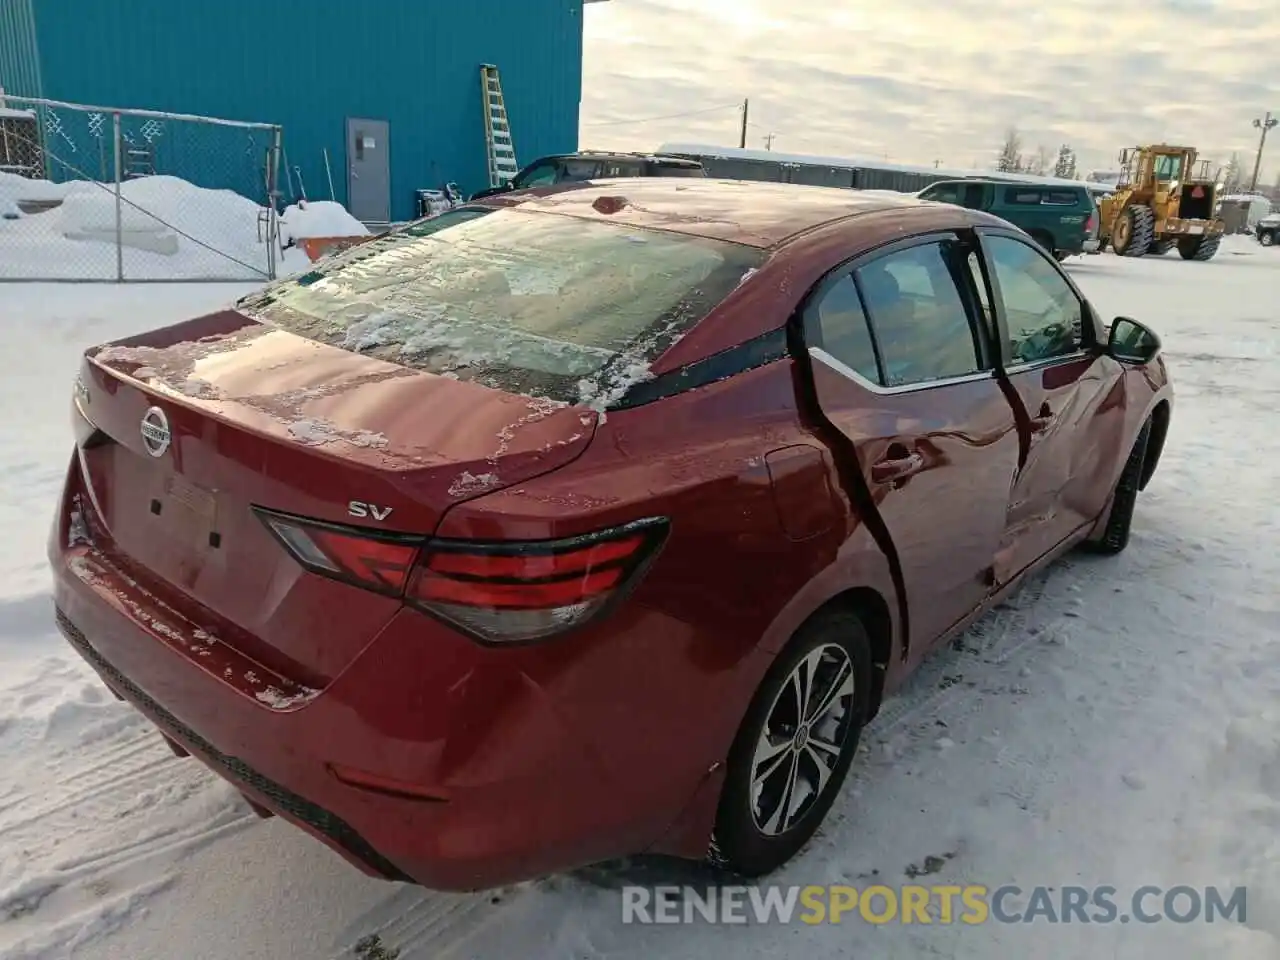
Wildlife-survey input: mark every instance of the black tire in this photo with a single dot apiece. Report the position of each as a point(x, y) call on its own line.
point(1160, 247)
point(1115, 535)
point(1142, 232)
point(1060, 255)
point(1266, 237)
point(1199, 248)
point(738, 843)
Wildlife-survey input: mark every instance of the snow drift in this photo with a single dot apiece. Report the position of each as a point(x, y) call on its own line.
point(173, 230)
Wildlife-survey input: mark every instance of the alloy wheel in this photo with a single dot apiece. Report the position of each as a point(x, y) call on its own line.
point(803, 736)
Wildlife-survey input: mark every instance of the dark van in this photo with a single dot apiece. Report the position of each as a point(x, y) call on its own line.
point(588, 165)
point(1059, 218)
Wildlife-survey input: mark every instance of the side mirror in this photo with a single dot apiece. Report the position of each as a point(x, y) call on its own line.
point(1131, 342)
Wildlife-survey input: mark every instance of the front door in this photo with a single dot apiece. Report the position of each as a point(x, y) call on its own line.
point(1071, 433)
point(369, 170)
point(902, 370)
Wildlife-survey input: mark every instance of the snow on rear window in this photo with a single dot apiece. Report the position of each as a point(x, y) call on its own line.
point(538, 304)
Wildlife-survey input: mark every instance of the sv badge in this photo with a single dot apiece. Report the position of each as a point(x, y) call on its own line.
point(358, 508)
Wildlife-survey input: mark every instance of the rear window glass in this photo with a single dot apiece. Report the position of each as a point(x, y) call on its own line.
point(662, 170)
point(531, 303)
point(1065, 198)
point(1021, 197)
point(575, 171)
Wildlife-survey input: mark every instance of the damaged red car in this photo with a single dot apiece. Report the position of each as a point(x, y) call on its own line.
point(597, 523)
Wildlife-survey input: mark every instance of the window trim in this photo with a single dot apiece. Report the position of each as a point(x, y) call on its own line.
point(846, 269)
point(840, 367)
point(1089, 346)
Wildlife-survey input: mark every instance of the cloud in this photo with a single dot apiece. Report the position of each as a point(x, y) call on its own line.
point(933, 79)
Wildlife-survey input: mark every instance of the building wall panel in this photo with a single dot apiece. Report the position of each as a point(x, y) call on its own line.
point(414, 63)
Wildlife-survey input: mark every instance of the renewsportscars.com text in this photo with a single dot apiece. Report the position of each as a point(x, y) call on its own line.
point(920, 904)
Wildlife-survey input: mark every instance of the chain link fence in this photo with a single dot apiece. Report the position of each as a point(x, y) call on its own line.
point(102, 194)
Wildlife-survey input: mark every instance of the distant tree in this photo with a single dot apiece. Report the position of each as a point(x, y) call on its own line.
point(1010, 159)
point(1065, 168)
point(1230, 175)
point(1039, 162)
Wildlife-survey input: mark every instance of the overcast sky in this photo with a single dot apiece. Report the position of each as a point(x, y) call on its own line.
point(926, 80)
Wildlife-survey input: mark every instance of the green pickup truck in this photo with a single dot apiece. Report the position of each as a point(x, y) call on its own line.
point(1060, 218)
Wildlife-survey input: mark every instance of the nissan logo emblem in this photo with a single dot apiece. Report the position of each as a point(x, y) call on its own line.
point(156, 435)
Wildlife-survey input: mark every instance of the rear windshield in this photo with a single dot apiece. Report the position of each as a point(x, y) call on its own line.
point(531, 303)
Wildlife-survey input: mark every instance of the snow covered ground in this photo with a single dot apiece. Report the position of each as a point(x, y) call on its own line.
point(1117, 723)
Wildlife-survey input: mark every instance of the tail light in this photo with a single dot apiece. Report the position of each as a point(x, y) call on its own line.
point(497, 592)
point(507, 592)
point(371, 559)
point(1088, 224)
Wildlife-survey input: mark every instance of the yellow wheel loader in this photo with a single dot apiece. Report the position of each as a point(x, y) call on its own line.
point(1160, 203)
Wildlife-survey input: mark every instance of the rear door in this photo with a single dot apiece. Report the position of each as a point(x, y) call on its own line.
point(1071, 433)
point(904, 374)
point(1070, 210)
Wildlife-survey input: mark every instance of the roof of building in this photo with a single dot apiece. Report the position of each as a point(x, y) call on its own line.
point(852, 162)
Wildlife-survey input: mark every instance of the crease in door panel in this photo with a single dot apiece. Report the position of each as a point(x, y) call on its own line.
point(852, 481)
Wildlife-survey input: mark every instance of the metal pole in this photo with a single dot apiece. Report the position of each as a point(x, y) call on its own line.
point(1266, 124)
point(328, 172)
point(273, 192)
point(742, 139)
point(115, 125)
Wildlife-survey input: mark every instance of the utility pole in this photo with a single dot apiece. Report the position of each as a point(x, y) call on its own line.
point(742, 139)
point(768, 140)
point(1264, 125)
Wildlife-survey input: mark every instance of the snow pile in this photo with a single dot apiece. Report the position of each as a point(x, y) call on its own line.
point(17, 188)
point(173, 229)
point(318, 218)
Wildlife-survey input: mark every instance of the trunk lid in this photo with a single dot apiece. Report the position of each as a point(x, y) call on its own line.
point(258, 416)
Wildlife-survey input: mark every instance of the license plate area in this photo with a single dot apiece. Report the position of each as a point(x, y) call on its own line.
point(189, 513)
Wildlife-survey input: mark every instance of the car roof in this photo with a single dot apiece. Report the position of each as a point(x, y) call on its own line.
point(749, 212)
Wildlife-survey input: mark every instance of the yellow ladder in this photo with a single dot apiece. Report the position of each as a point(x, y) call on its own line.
point(497, 129)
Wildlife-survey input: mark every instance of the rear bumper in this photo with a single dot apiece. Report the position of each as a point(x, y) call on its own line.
point(1193, 228)
point(487, 767)
point(258, 788)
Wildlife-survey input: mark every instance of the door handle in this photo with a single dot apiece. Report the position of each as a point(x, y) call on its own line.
point(1041, 423)
point(895, 470)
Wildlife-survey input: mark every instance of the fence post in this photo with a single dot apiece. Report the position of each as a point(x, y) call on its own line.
point(116, 134)
point(273, 193)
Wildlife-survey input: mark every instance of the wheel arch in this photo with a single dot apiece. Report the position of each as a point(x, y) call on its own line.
point(1160, 416)
point(860, 583)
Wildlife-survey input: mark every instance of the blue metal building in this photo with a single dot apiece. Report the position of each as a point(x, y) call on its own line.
point(391, 88)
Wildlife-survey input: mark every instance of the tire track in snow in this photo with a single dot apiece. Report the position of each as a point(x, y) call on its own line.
point(1003, 637)
point(98, 807)
point(422, 923)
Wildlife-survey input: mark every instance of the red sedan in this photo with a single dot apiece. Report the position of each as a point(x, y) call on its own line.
point(590, 523)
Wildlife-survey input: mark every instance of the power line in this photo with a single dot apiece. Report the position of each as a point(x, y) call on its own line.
point(669, 116)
